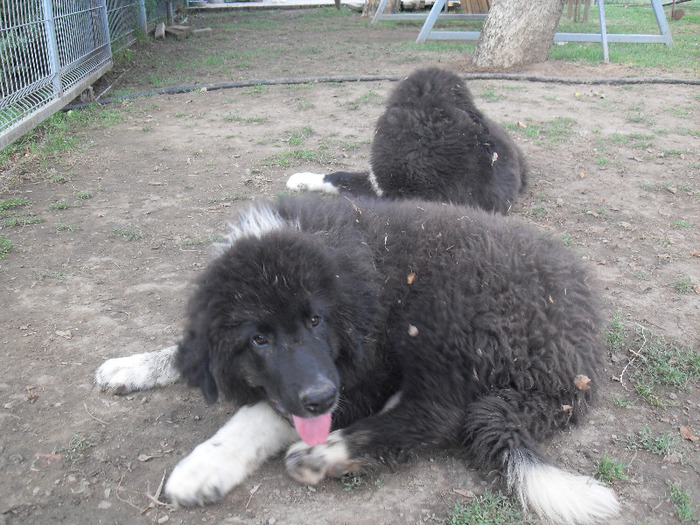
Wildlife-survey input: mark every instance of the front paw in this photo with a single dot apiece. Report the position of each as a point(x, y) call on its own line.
point(138, 372)
point(309, 465)
point(204, 476)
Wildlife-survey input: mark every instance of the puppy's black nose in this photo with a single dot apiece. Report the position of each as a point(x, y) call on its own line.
point(318, 399)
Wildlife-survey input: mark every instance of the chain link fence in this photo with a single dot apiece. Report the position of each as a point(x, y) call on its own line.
point(52, 50)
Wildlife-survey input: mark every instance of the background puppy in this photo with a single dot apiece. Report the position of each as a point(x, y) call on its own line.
point(432, 143)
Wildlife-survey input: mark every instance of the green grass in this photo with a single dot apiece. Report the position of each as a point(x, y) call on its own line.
point(660, 366)
point(5, 246)
point(57, 206)
point(610, 470)
point(128, 233)
point(288, 158)
point(683, 503)
point(493, 508)
point(615, 335)
point(353, 481)
point(22, 221)
point(660, 445)
point(683, 285)
point(14, 202)
point(635, 19)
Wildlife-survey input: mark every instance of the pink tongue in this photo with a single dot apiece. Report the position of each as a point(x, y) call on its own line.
point(313, 430)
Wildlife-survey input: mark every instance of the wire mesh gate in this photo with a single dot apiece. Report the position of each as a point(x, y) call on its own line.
point(52, 50)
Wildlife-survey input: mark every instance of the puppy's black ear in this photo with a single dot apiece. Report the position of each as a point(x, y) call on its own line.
point(193, 363)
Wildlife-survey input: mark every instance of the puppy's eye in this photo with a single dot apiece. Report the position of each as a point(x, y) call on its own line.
point(315, 320)
point(260, 340)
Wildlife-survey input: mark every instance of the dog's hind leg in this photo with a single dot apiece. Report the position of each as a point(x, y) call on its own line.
point(358, 184)
point(138, 372)
point(251, 436)
point(498, 437)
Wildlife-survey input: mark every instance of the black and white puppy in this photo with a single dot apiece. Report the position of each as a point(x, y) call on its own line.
point(432, 143)
point(355, 333)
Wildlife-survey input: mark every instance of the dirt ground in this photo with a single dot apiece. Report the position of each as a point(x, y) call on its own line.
point(615, 174)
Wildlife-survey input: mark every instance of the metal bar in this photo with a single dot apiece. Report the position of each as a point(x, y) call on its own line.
point(142, 16)
point(52, 47)
point(603, 31)
point(423, 16)
point(662, 22)
point(378, 13)
point(430, 21)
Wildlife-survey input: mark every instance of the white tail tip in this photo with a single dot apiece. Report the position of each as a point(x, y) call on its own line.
point(560, 496)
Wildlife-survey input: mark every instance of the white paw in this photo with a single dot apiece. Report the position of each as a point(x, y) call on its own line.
point(309, 465)
point(138, 372)
point(204, 476)
point(310, 182)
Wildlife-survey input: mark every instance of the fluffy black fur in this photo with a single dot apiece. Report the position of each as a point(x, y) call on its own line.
point(432, 143)
point(480, 323)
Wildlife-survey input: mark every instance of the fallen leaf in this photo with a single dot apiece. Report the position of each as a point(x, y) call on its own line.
point(521, 125)
point(687, 433)
point(143, 458)
point(65, 334)
point(581, 381)
point(568, 409)
point(410, 278)
point(463, 493)
point(697, 288)
point(581, 175)
point(412, 330)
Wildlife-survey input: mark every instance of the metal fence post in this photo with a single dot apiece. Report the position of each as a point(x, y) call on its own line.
point(142, 16)
point(52, 48)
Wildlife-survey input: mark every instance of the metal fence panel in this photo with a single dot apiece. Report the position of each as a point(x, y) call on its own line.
point(49, 52)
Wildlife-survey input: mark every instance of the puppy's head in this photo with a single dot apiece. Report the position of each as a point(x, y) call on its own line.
point(264, 324)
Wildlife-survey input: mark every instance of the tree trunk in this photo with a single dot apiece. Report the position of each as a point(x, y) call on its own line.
point(393, 6)
point(517, 33)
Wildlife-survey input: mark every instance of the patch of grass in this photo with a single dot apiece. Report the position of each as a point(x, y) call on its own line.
point(490, 95)
point(609, 470)
point(661, 445)
point(286, 159)
point(83, 195)
point(353, 481)
point(128, 233)
point(57, 206)
point(660, 365)
point(615, 335)
point(22, 221)
point(64, 227)
point(371, 97)
point(493, 508)
point(683, 285)
point(77, 447)
point(297, 138)
point(14, 202)
point(683, 503)
point(681, 223)
point(5, 247)
point(235, 117)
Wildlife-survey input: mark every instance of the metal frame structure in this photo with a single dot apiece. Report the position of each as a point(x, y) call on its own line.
point(436, 13)
point(52, 50)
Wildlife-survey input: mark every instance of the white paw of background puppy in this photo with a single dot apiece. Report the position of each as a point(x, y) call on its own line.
point(310, 182)
point(309, 465)
point(138, 372)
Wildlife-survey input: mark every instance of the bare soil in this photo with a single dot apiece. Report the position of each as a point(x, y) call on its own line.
point(615, 174)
